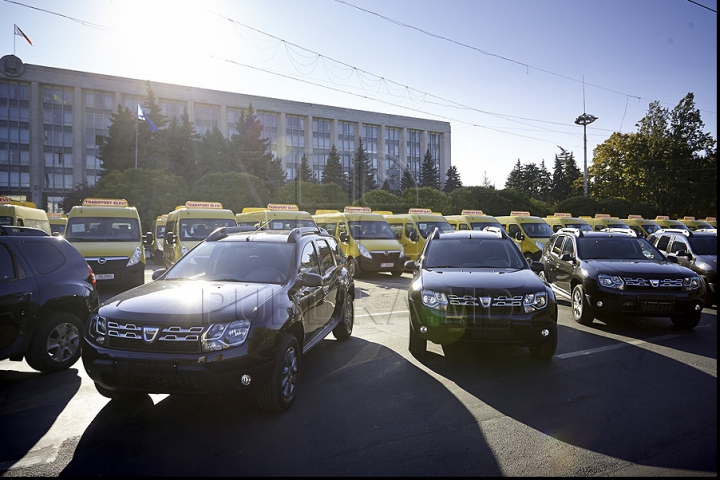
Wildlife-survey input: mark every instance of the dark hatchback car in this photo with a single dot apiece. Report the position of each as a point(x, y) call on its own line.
point(607, 274)
point(696, 250)
point(235, 313)
point(474, 287)
point(47, 292)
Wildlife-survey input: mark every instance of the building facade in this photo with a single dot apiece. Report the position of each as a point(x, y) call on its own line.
point(52, 122)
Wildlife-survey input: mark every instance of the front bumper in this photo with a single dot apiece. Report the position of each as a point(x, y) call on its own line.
point(443, 327)
point(605, 303)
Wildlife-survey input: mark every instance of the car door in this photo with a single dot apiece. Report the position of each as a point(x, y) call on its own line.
point(678, 243)
point(311, 298)
point(18, 288)
point(566, 264)
point(331, 280)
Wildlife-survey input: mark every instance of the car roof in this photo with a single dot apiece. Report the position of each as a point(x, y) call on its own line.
point(251, 234)
point(487, 232)
point(594, 234)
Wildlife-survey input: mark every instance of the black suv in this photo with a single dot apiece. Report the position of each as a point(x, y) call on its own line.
point(47, 291)
point(476, 287)
point(606, 274)
point(696, 250)
point(236, 312)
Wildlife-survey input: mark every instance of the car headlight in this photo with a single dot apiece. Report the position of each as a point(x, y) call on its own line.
point(402, 252)
point(433, 299)
point(225, 335)
point(135, 257)
point(97, 328)
point(691, 283)
point(540, 246)
point(535, 301)
point(611, 281)
point(364, 251)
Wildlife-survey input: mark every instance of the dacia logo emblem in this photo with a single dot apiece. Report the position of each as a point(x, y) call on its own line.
point(485, 301)
point(654, 283)
point(149, 334)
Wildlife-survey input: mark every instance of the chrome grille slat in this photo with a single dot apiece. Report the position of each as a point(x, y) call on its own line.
point(173, 333)
point(498, 301)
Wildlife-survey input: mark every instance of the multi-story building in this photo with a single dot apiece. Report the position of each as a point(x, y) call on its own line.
point(52, 121)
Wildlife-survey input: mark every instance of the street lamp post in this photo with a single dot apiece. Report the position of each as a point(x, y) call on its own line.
point(585, 119)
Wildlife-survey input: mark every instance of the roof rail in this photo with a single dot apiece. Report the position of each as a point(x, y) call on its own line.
point(688, 233)
point(575, 231)
point(500, 232)
point(13, 230)
point(626, 231)
point(223, 232)
point(297, 233)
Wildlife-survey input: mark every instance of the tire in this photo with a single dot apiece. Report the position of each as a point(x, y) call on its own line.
point(580, 309)
point(546, 349)
point(343, 330)
point(55, 345)
point(688, 321)
point(417, 345)
point(277, 392)
point(396, 273)
point(352, 267)
point(529, 258)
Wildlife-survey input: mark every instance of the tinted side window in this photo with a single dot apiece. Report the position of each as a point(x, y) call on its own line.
point(557, 245)
point(569, 247)
point(326, 256)
point(677, 245)
point(663, 243)
point(309, 260)
point(7, 265)
point(46, 256)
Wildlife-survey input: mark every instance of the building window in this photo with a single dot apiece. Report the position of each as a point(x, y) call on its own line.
point(295, 141)
point(233, 116)
point(206, 118)
point(173, 110)
point(321, 146)
point(414, 155)
point(98, 111)
point(434, 147)
point(269, 123)
point(346, 145)
point(14, 137)
point(392, 157)
point(370, 142)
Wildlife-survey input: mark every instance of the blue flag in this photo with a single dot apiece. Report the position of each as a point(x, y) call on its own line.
point(142, 116)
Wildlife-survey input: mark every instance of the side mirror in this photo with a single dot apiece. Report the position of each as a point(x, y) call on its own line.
point(308, 279)
point(148, 238)
point(343, 237)
point(566, 257)
point(537, 267)
point(169, 237)
point(683, 253)
point(411, 266)
point(398, 236)
point(672, 259)
point(519, 236)
point(413, 236)
point(158, 273)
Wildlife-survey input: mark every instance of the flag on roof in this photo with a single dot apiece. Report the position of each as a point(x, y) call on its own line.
point(142, 116)
point(22, 34)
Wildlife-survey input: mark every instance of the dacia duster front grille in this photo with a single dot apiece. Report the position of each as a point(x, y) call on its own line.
point(646, 284)
point(133, 336)
point(486, 301)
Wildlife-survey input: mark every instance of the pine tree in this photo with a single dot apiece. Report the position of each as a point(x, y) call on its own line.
point(429, 175)
point(386, 185)
point(305, 172)
point(407, 181)
point(363, 177)
point(334, 172)
point(453, 179)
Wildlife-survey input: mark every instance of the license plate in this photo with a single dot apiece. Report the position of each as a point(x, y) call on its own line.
point(387, 265)
point(104, 276)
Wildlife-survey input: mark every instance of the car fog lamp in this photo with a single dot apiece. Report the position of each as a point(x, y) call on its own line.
point(599, 303)
point(245, 380)
point(423, 329)
point(544, 332)
point(698, 307)
point(100, 340)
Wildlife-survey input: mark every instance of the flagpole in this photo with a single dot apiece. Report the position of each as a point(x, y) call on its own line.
point(136, 140)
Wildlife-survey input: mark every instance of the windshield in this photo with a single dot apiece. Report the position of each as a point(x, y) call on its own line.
point(200, 228)
point(160, 231)
point(250, 262)
point(617, 248)
point(537, 230)
point(704, 245)
point(426, 228)
point(289, 223)
point(370, 229)
point(481, 225)
point(650, 229)
point(55, 228)
point(102, 229)
point(473, 253)
point(584, 227)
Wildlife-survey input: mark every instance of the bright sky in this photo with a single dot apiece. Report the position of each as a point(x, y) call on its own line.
point(508, 75)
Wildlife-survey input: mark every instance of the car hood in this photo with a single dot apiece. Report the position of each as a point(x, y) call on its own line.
point(192, 302)
point(640, 268)
point(478, 280)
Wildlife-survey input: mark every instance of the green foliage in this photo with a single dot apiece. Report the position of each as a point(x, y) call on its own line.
point(487, 199)
point(517, 200)
point(363, 173)
point(615, 206)
point(407, 181)
point(452, 181)
point(429, 175)
point(333, 172)
point(234, 190)
point(426, 197)
point(305, 172)
point(77, 195)
point(152, 192)
point(310, 196)
point(577, 206)
point(382, 200)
